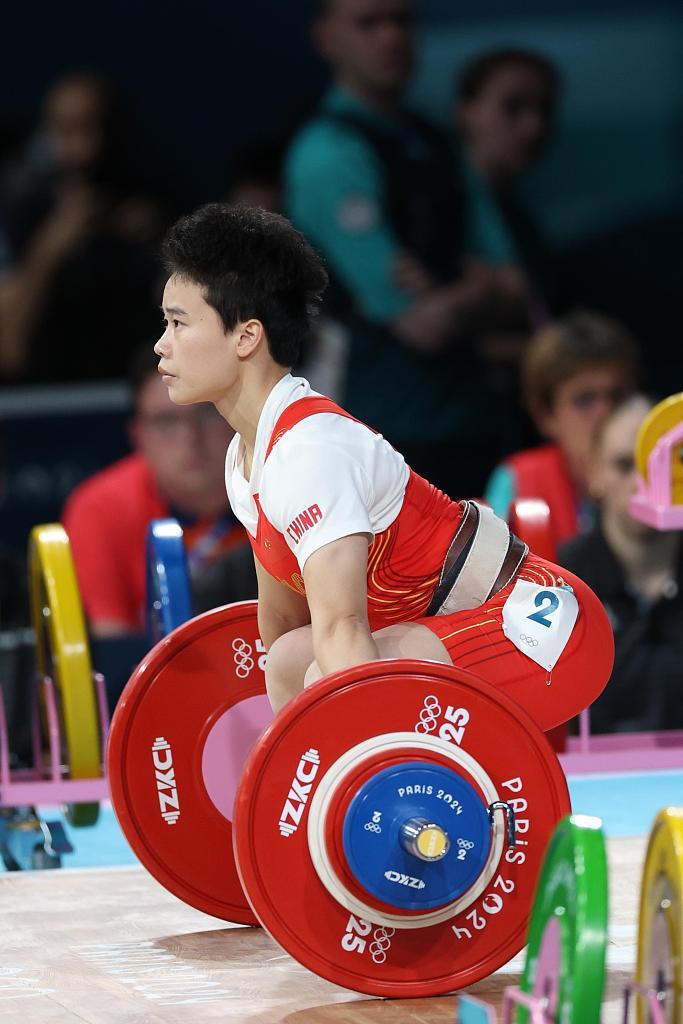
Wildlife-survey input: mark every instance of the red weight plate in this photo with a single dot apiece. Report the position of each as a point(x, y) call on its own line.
point(179, 738)
point(529, 518)
point(290, 762)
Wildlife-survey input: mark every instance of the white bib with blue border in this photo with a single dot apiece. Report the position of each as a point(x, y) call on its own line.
point(539, 620)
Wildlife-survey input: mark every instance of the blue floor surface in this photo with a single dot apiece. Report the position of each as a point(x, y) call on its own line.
point(626, 802)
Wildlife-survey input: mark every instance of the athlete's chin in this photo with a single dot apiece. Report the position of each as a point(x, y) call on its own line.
point(182, 395)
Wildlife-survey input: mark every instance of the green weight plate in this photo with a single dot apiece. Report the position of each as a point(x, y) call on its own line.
point(570, 917)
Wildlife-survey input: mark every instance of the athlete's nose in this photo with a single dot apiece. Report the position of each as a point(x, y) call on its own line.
point(162, 347)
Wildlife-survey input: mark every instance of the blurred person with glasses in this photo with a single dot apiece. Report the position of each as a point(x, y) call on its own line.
point(574, 372)
point(177, 469)
point(637, 572)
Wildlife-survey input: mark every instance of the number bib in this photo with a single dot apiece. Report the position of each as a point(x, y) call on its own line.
point(540, 620)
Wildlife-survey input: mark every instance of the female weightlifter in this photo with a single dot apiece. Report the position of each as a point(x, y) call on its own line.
point(357, 557)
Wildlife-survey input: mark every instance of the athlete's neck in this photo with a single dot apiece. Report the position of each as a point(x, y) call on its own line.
point(243, 406)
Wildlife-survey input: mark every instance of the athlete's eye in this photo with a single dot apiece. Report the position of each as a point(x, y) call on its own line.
point(175, 323)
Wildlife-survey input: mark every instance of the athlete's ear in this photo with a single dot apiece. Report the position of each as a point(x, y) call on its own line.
point(250, 334)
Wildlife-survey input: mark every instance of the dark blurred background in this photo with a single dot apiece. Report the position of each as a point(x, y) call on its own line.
point(201, 80)
point(114, 120)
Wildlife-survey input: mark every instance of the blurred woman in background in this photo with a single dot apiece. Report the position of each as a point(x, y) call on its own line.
point(637, 572)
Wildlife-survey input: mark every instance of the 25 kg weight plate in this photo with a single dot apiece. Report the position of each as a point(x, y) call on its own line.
point(181, 732)
point(288, 792)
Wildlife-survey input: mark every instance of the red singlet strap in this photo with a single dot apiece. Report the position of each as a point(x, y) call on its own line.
point(300, 410)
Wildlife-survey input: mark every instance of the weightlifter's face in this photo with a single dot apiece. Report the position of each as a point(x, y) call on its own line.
point(197, 355)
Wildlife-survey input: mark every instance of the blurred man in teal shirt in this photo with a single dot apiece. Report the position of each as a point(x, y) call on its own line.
point(376, 189)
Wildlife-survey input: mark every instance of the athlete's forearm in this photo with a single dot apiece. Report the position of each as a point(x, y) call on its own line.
point(343, 642)
point(279, 609)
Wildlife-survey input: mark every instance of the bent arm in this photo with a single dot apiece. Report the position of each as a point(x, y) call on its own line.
point(336, 585)
point(280, 609)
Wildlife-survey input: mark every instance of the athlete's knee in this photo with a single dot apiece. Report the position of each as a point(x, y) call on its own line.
point(277, 657)
point(313, 674)
point(411, 640)
point(280, 671)
point(287, 661)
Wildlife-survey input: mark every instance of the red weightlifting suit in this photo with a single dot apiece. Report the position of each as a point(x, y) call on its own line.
point(405, 565)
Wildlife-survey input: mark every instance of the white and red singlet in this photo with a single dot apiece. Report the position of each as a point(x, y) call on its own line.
point(319, 475)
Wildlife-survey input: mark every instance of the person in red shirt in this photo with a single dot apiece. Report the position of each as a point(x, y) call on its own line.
point(176, 470)
point(575, 371)
point(357, 557)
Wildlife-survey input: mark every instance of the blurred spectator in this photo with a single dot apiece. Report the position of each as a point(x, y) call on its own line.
point(81, 233)
point(504, 111)
point(637, 572)
point(177, 469)
point(574, 373)
point(375, 188)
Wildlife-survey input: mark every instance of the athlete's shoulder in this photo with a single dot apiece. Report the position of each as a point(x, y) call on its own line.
point(321, 426)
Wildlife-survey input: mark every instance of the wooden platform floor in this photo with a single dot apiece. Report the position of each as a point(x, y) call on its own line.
point(108, 946)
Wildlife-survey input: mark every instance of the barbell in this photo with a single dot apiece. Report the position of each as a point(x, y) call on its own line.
point(387, 827)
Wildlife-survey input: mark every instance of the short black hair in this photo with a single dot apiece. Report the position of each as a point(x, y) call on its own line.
point(251, 263)
point(476, 75)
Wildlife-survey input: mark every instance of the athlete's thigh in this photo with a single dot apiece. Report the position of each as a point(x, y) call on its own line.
point(476, 641)
point(402, 640)
point(291, 654)
point(411, 640)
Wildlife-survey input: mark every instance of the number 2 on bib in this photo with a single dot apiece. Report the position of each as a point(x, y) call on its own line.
point(528, 614)
point(547, 603)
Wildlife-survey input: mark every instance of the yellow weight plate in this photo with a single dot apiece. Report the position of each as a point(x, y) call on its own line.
point(62, 650)
point(660, 928)
point(662, 418)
